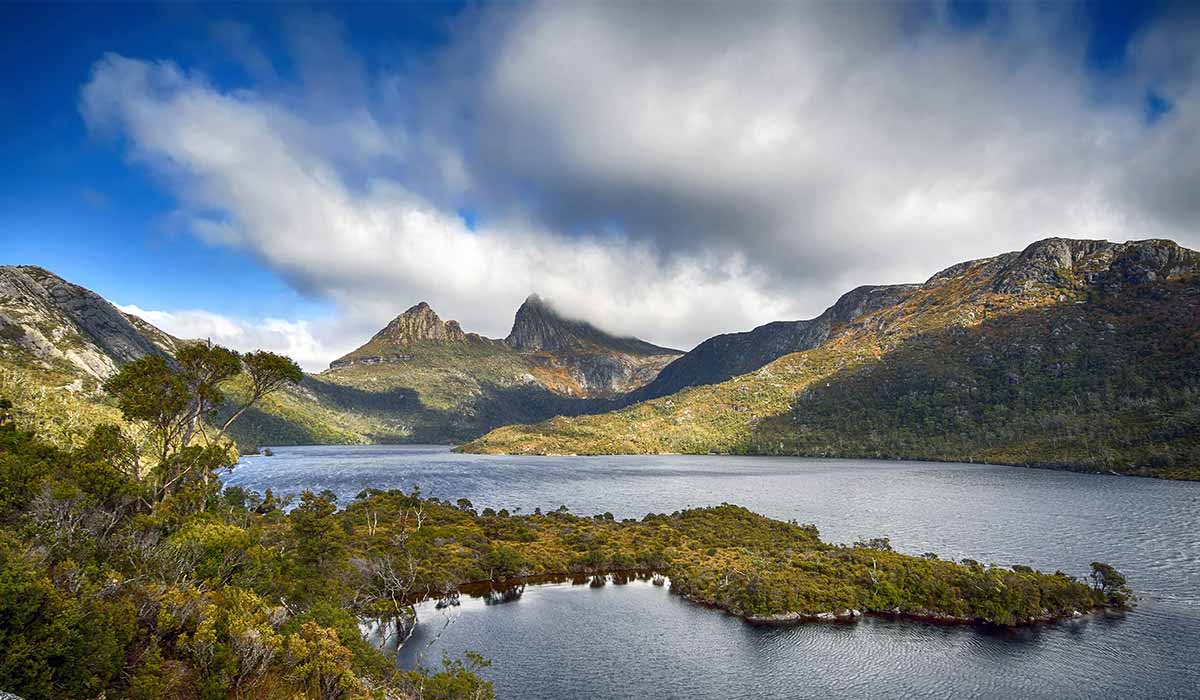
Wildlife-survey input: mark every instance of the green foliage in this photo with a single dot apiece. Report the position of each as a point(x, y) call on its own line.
point(101, 593)
point(123, 579)
point(194, 596)
point(724, 556)
point(320, 552)
point(1110, 583)
point(150, 390)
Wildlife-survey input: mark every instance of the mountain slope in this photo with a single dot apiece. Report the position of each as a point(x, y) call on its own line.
point(1079, 354)
point(420, 379)
point(731, 354)
point(58, 341)
point(54, 322)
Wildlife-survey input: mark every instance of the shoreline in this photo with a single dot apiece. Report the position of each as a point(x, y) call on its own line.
point(498, 591)
point(1044, 466)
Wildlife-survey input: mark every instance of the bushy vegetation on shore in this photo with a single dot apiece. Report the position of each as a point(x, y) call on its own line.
point(724, 556)
point(126, 571)
point(221, 594)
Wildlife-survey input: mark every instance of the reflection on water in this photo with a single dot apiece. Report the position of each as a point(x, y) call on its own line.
point(617, 641)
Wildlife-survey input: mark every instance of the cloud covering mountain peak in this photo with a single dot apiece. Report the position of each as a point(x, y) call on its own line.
point(663, 171)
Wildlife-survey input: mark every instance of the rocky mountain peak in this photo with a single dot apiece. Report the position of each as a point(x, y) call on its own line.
point(539, 327)
point(1066, 263)
point(420, 322)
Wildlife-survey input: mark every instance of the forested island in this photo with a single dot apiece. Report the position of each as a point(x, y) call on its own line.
point(127, 570)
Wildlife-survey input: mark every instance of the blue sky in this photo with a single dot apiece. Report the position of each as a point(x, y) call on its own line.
point(659, 170)
point(78, 207)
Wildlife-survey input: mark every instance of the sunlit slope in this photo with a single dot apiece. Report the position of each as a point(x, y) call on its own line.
point(1079, 354)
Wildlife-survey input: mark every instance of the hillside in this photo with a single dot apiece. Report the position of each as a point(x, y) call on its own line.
point(58, 341)
point(419, 379)
point(48, 320)
point(730, 354)
point(1075, 354)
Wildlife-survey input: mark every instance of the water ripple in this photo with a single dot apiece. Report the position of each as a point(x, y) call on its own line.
point(634, 640)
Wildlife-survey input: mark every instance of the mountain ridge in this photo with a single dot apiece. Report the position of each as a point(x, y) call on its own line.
point(1070, 353)
point(730, 354)
point(567, 356)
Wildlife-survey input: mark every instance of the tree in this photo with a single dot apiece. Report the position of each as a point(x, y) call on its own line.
point(151, 391)
point(203, 366)
point(319, 538)
point(268, 372)
point(176, 401)
point(1109, 582)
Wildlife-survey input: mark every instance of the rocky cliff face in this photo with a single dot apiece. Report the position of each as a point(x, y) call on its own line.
point(594, 363)
point(538, 327)
point(731, 354)
point(53, 320)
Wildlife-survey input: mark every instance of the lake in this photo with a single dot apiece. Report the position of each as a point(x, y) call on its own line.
point(619, 641)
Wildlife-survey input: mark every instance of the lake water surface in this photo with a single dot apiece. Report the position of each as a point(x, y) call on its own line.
point(621, 641)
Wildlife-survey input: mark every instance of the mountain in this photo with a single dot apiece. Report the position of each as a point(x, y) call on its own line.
point(1072, 354)
point(592, 362)
point(568, 357)
point(419, 379)
point(731, 354)
point(53, 322)
point(58, 341)
point(424, 379)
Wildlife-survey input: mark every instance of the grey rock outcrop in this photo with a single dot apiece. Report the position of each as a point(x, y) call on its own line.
point(420, 323)
point(45, 316)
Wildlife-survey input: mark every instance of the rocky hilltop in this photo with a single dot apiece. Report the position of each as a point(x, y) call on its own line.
point(419, 323)
point(397, 341)
point(54, 322)
point(1070, 353)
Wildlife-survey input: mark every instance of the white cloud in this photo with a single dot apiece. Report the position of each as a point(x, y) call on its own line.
point(670, 170)
point(311, 344)
point(377, 249)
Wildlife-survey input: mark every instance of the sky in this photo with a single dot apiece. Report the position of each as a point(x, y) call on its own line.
point(291, 177)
